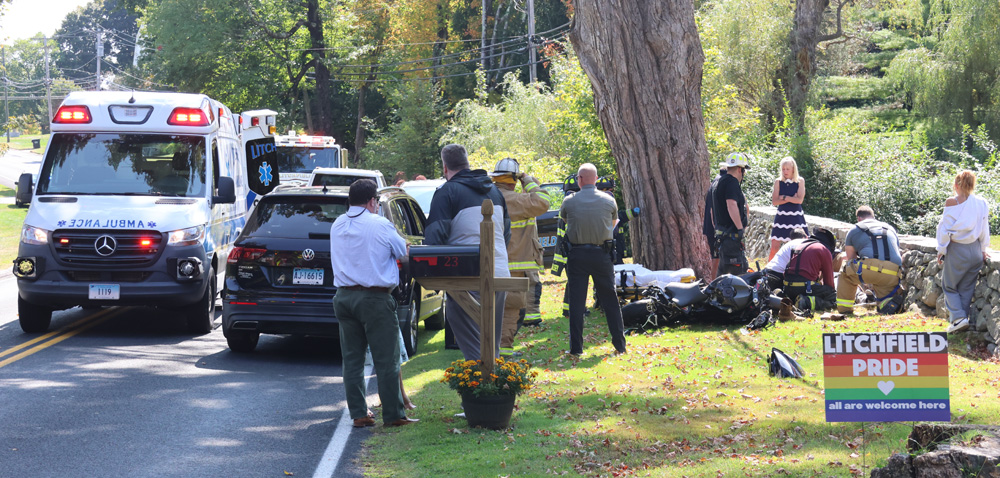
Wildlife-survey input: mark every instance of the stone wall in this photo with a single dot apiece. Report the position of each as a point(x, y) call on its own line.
point(921, 273)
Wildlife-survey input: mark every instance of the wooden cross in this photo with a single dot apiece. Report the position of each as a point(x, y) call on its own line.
point(459, 288)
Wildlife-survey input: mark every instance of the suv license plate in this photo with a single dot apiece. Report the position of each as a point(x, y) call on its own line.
point(307, 276)
point(104, 291)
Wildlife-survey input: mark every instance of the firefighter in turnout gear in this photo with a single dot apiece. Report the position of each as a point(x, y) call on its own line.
point(808, 279)
point(524, 253)
point(872, 257)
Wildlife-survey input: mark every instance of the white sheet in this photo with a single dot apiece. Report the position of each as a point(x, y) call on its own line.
point(644, 277)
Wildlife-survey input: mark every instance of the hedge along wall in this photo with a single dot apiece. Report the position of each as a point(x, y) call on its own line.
point(921, 272)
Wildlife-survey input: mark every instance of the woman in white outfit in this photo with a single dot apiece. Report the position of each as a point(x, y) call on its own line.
point(962, 238)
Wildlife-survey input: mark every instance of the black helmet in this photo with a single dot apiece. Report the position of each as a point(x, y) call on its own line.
point(783, 366)
point(605, 183)
point(571, 184)
point(729, 291)
point(825, 237)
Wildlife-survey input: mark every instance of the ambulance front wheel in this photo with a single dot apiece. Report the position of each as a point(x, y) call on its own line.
point(33, 318)
point(201, 315)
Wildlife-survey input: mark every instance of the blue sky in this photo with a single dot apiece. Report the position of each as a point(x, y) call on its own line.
point(25, 18)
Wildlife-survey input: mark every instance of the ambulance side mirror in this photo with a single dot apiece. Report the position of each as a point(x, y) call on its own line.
point(226, 190)
point(25, 185)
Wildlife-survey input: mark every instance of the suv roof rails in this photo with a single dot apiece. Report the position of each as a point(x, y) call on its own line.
point(390, 189)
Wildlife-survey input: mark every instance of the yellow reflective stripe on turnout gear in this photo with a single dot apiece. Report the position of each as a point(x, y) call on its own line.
point(524, 223)
point(845, 302)
point(879, 269)
point(797, 284)
point(523, 266)
point(532, 316)
point(530, 186)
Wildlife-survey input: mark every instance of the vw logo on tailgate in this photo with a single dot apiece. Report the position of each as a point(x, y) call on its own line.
point(105, 245)
point(308, 255)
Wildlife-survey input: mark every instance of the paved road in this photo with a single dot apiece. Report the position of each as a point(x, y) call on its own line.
point(14, 162)
point(125, 391)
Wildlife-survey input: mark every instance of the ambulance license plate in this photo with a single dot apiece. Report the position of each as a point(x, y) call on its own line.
point(307, 276)
point(105, 291)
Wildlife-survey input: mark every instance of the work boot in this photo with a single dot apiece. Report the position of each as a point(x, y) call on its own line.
point(785, 311)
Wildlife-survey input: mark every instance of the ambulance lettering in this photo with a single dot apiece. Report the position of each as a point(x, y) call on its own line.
point(106, 223)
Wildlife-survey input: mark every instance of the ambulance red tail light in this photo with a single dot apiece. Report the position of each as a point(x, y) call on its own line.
point(188, 117)
point(78, 114)
point(255, 121)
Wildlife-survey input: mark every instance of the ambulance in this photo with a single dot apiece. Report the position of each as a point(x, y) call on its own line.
point(137, 202)
point(298, 155)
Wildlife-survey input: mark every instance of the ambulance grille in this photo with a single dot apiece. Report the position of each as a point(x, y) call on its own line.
point(118, 248)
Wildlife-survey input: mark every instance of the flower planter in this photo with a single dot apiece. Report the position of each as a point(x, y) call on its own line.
point(491, 412)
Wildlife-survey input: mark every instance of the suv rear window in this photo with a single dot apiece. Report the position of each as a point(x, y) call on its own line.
point(295, 217)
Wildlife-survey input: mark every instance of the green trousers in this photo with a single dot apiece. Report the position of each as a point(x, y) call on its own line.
point(368, 320)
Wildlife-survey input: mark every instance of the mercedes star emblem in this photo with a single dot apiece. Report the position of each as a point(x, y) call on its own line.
point(105, 245)
point(308, 255)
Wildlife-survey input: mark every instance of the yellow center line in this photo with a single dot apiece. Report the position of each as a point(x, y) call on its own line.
point(54, 332)
point(66, 332)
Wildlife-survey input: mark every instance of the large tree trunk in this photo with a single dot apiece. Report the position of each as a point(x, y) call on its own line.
point(360, 133)
point(644, 60)
point(324, 112)
point(800, 64)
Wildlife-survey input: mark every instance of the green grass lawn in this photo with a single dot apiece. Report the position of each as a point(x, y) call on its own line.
point(11, 219)
point(690, 401)
point(995, 243)
point(24, 141)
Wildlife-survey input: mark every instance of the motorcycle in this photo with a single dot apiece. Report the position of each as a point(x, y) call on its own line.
point(726, 300)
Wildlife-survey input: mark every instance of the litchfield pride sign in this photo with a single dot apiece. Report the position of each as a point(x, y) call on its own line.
point(886, 377)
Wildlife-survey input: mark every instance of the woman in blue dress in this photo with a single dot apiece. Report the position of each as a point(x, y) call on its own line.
point(789, 191)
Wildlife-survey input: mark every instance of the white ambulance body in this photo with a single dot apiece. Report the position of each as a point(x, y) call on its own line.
point(299, 155)
point(138, 200)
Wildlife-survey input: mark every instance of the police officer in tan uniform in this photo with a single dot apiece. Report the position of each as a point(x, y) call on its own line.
point(590, 217)
point(524, 253)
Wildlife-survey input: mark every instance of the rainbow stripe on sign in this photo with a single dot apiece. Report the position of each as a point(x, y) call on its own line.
point(886, 377)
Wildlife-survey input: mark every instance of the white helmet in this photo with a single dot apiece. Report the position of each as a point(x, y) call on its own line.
point(506, 166)
point(736, 160)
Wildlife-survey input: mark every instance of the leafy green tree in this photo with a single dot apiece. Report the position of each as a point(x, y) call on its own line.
point(410, 142)
point(25, 71)
point(218, 50)
point(957, 79)
point(745, 43)
point(78, 34)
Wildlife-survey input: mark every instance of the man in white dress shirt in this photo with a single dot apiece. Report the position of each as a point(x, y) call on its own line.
point(364, 248)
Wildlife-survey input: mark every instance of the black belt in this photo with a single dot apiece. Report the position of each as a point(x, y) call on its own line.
point(598, 246)
point(384, 290)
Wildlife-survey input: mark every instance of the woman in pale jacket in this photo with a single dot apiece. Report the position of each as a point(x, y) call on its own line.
point(962, 238)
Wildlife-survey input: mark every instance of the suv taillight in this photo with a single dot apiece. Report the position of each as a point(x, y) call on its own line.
point(245, 254)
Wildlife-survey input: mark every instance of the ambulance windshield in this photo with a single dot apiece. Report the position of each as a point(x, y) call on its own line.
point(304, 160)
point(124, 164)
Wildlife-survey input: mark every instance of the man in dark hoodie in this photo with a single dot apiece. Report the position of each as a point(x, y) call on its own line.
point(454, 219)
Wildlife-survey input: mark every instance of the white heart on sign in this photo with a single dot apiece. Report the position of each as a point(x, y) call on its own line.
point(886, 387)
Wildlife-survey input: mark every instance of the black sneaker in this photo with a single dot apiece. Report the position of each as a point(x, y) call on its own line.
point(533, 323)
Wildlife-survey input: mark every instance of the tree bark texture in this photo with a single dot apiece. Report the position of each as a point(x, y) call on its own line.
point(801, 63)
point(644, 61)
point(324, 111)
